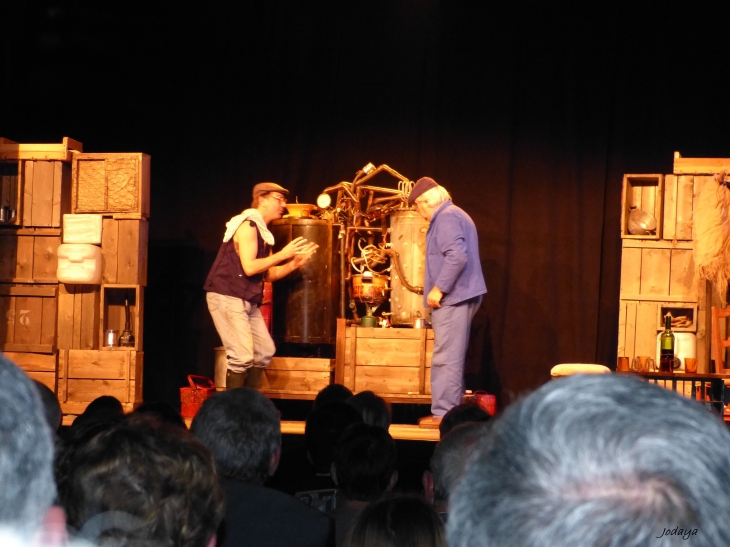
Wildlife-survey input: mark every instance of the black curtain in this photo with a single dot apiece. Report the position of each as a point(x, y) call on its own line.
point(528, 113)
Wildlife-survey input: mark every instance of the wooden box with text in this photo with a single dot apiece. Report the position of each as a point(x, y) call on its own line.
point(113, 183)
point(29, 313)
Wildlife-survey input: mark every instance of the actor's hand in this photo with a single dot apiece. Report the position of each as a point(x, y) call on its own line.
point(295, 247)
point(303, 256)
point(434, 297)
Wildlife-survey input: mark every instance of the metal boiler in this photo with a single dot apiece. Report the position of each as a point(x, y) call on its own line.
point(306, 302)
point(408, 238)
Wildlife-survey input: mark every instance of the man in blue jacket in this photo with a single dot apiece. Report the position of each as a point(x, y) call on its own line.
point(453, 287)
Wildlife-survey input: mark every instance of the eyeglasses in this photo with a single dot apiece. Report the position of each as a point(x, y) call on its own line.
point(281, 200)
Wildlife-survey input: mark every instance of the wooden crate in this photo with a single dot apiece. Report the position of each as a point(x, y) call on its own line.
point(112, 183)
point(29, 256)
point(46, 193)
point(84, 375)
point(644, 192)
point(39, 366)
point(297, 377)
point(30, 318)
point(79, 312)
point(113, 315)
point(10, 194)
point(394, 363)
point(124, 251)
point(11, 150)
point(657, 270)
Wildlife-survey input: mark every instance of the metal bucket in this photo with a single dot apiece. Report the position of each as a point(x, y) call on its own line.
point(306, 302)
point(408, 238)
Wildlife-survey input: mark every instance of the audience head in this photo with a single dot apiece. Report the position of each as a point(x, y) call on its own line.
point(102, 412)
point(374, 409)
point(27, 488)
point(241, 428)
point(142, 482)
point(331, 393)
point(593, 460)
point(51, 406)
point(449, 460)
point(462, 414)
point(398, 522)
point(364, 465)
point(163, 411)
point(322, 430)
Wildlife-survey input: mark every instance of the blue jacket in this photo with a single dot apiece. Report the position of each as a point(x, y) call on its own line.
point(452, 256)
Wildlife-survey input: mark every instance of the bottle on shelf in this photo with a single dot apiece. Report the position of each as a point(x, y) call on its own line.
point(666, 345)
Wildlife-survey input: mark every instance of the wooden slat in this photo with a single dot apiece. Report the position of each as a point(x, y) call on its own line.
point(660, 244)
point(655, 266)
point(387, 379)
point(631, 271)
point(352, 339)
point(28, 318)
point(24, 258)
point(90, 313)
point(630, 348)
point(132, 252)
point(682, 273)
point(388, 352)
point(109, 250)
point(112, 365)
point(658, 297)
point(42, 206)
point(295, 380)
point(45, 258)
point(301, 363)
point(340, 351)
point(646, 331)
point(145, 185)
point(48, 321)
point(76, 334)
point(65, 315)
point(700, 166)
point(57, 192)
point(8, 254)
point(62, 375)
point(88, 390)
point(33, 361)
point(670, 207)
point(406, 432)
point(27, 168)
point(685, 189)
point(397, 334)
point(29, 348)
point(621, 349)
point(22, 290)
point(427, 386)
point(9, 307)
point(48, 379)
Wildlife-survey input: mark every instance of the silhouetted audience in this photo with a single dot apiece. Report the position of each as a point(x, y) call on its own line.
point(332, 393)
point(102, 412)
point(364, 470)
point(448, 463)
point(27, 488)
point(141, 482)
point(305, 472)
point(597, 460)
point(398, 522)
point(163, 411)
point(461, 414)
point(241, 428)
point(51, 406)
point(374, 409)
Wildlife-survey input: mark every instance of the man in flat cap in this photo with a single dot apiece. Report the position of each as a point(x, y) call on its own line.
point(453, 287)
point(235, 283)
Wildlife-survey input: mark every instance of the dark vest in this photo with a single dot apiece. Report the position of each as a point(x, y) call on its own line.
point(227, 277)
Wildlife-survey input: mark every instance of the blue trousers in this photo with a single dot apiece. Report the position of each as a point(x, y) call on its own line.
point(451, 326)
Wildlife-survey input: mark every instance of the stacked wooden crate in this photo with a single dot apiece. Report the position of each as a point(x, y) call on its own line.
point(55, 331)
point(657, 269)
point(35, 193)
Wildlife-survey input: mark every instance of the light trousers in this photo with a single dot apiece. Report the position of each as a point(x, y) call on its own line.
point(242, 330)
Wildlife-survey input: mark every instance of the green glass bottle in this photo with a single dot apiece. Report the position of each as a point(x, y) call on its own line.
point(666, 345)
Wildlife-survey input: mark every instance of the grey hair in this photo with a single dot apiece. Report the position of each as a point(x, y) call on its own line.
point(26, 453)
point(435, 196)
point(242, 430)
point(450, 456)
point(597, 461)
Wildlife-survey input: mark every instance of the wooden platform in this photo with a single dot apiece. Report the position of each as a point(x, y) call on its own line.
point(404, 432)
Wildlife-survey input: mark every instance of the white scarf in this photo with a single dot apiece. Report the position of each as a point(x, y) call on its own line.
point(249, 214)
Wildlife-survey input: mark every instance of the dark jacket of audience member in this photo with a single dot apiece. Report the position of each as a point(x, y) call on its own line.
point(142, 482)
point(241, 428)
point(27, 488)
point(462, 414)
point(398, 522)
point(374, 409)
point(596, 460)
point(364, 469)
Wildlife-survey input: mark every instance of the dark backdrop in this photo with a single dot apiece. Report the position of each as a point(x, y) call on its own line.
point(529, 113)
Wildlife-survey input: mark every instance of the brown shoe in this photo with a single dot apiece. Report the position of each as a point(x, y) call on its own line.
point(429, 422)
point(235, 380)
